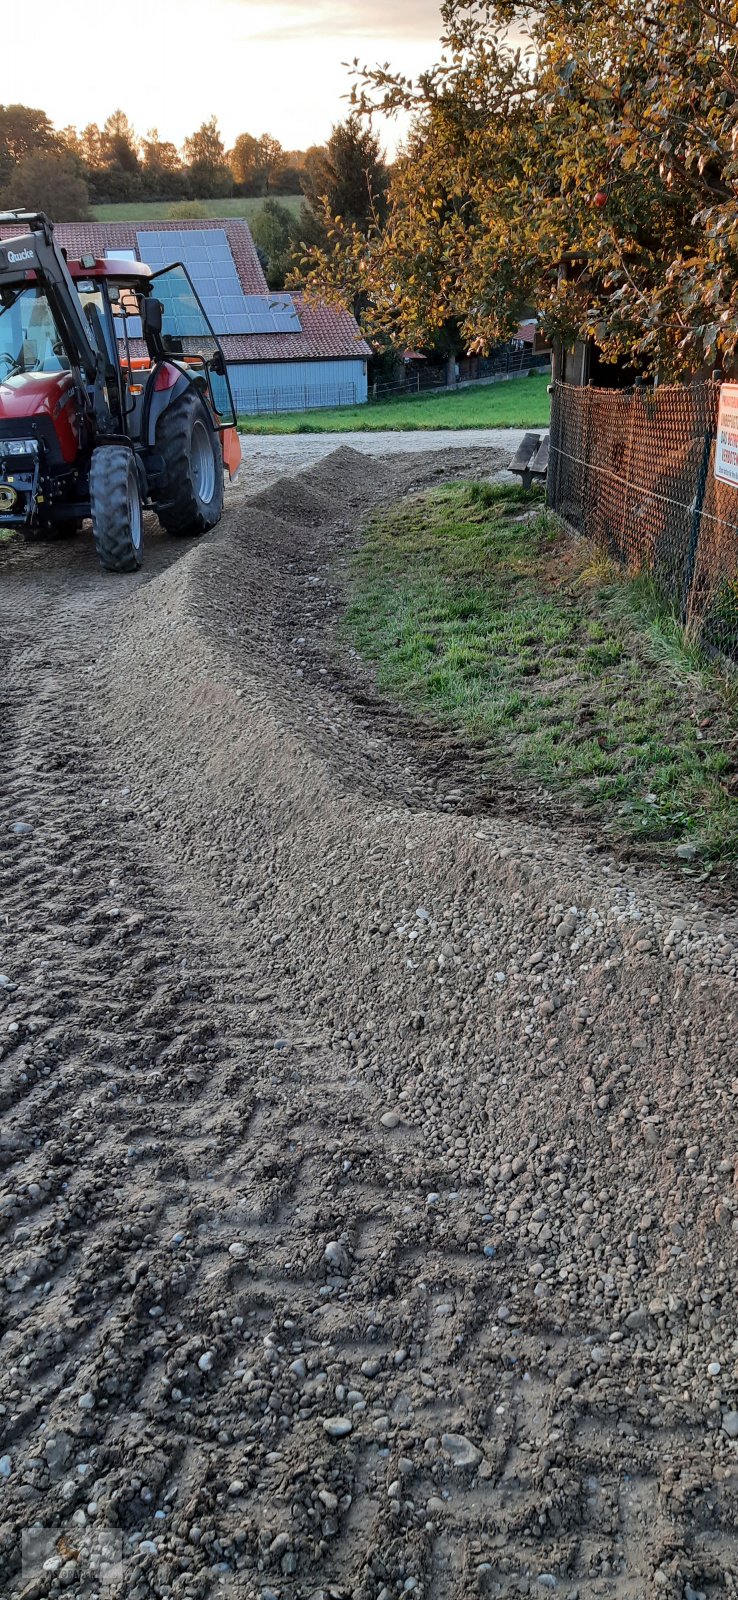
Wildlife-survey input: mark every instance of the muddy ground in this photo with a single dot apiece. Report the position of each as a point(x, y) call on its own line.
point(369, 1142)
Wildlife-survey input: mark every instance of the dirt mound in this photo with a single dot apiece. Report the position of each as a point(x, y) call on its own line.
point(368, 1166)
point(261, 527)
point(350, 478)
point(294, 501)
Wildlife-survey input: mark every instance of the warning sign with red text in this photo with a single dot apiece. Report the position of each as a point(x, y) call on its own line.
point(726, 449)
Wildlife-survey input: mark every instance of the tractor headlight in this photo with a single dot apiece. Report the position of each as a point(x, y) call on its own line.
point(18, 447)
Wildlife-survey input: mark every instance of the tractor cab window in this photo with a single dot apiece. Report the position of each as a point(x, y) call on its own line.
point(187, 334)
point(29, 338)
point(91, 295)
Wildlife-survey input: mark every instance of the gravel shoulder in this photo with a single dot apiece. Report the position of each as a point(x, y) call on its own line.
point(368, 1148)
point(266, 458)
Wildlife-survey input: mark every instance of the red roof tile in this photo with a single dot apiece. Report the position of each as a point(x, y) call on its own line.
point(327, 334)
point(94, 238)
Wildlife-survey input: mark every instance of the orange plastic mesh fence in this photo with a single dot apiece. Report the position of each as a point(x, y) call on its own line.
point(634, 470)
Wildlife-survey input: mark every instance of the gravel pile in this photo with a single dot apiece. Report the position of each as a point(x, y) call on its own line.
point(388, 1189)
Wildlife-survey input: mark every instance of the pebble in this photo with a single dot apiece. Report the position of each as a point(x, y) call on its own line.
point(6, 1466)
point(56, 1451)
point(730, 1425)
point(22, 827)
point(714, 1369)
point(461, 1450)
point(371, 1367)
point(86, 1402)
point(206, 1360)
point(337, 1427)
point(238, 1251)
point(391, 1119)
point(336, 1256)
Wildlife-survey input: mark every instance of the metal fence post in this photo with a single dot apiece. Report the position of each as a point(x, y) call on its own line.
point(699, 506)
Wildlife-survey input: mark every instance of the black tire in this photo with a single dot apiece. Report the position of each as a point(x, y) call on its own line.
point(192, 499)
point(117, 512)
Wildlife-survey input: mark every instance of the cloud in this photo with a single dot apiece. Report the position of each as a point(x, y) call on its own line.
point(383, 20)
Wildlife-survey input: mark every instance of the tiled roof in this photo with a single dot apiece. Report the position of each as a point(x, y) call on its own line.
point(327, 334)
point(94, 238)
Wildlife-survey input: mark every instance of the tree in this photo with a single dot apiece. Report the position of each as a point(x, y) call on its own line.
point(50, 183)
point(159, 155)
point(349, 175)
point(257, 164)
point(23, 131)
point(204, 154)
point(90, 144)
point(275, 235)
point(244, 162)
point(119, 145)
point(161, 167)
point(271, 157)
point(593, 175)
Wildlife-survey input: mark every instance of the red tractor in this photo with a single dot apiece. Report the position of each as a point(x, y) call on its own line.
point(114, 397)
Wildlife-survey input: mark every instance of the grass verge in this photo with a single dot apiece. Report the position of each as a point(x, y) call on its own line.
point(478, 609)
point(520, 403)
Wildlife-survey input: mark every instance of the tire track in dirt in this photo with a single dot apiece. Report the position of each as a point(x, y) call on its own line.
point(217, 999)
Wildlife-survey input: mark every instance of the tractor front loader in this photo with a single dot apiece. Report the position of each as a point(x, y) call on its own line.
point(114, 397)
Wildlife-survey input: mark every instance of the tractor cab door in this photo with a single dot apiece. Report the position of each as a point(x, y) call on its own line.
point(188, 336)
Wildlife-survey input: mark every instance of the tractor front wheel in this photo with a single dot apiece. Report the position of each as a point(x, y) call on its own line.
point(192, 501)
point(117, 512)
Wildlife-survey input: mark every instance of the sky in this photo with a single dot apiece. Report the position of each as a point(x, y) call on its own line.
point(262, 66)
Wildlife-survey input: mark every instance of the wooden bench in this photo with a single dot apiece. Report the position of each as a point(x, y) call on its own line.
point(531, 459)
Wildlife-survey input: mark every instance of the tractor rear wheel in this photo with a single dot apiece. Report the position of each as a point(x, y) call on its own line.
point(192, 501)
point(117, 513)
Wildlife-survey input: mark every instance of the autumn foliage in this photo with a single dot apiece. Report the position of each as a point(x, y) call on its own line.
point(579, 157)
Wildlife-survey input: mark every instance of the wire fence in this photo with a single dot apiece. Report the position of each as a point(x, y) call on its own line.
point(634, 470)
point(509, 362)
point(270, 402)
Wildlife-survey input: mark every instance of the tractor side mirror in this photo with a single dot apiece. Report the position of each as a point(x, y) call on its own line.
point(151, 315)
point(217, 364)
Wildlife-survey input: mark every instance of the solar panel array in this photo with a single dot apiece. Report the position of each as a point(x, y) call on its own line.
point(206, 254)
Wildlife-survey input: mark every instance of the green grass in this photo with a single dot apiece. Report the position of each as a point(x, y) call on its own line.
point(479, 611)
point(158, 210)
point(521, 403)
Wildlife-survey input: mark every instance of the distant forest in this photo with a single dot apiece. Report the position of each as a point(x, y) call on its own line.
point(67, 172)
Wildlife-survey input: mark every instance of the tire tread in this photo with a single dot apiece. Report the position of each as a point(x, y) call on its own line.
point(109, 471)
point(181, 513)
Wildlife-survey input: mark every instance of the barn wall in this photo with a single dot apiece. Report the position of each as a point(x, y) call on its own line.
point(270, 386)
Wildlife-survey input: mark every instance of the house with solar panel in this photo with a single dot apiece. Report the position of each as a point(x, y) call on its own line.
point(283, 353)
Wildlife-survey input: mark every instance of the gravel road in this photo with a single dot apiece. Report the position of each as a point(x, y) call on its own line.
point(268, 456)
point(368, 1164)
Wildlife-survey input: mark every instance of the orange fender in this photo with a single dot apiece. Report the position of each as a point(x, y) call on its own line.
point(231, 450)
